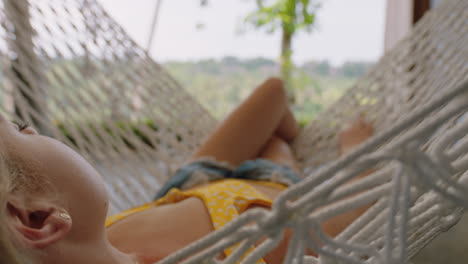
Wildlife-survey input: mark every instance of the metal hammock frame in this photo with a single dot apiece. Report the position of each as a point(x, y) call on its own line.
point(72, 71)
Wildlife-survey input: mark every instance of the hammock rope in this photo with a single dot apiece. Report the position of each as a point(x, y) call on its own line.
point(73, 72)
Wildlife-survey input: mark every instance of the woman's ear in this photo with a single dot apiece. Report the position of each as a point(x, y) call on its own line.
point(39, 225)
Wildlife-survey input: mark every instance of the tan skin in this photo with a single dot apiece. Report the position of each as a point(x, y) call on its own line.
point(260, 127)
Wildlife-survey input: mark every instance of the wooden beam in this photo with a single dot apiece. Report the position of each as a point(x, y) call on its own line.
point(420, 7)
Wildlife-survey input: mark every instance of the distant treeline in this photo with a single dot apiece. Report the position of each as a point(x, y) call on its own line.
point(222, 83)
point(350, 69)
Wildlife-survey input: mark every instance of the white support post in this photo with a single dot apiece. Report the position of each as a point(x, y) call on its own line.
point(398, 21)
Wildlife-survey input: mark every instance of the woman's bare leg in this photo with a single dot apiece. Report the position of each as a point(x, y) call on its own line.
point(358, 132)
point(243, 134)
point(288, 127)
point(350, 138)
point(279, 151)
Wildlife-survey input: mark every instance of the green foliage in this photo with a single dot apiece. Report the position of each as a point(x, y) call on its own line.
point(317, 68)
point(221, 91)
point(349, 69)
point(354, 69)
point(288, 15)
point(219, 85)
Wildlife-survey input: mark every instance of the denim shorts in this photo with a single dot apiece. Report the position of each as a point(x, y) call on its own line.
point(203, 171)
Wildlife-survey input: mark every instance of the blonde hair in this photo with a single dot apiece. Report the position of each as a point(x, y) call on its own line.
point(9, 181)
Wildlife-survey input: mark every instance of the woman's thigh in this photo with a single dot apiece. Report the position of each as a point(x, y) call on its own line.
point(280, 152)
point(246, 130)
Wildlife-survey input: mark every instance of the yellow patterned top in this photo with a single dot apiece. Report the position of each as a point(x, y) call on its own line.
point(225, 200)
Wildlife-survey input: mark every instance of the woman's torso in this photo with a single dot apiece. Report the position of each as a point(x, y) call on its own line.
point(157, 232)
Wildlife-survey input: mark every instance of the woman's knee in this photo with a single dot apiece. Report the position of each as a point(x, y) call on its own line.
point(273, 88)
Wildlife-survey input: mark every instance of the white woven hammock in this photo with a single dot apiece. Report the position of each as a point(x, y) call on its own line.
point(72, 71)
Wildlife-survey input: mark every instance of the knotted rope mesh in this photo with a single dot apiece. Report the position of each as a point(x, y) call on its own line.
point(70, 70)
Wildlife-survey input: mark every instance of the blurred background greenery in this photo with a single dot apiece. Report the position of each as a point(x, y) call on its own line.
point(220, 84)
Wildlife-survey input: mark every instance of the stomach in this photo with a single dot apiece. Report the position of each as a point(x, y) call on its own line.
point(157, 232)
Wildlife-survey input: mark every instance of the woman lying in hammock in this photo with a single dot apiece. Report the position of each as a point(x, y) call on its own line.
point(54, 204)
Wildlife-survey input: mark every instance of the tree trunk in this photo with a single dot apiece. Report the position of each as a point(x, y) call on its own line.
point(286, 63)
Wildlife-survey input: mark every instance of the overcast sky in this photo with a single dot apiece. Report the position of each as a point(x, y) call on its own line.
point(345, 30)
